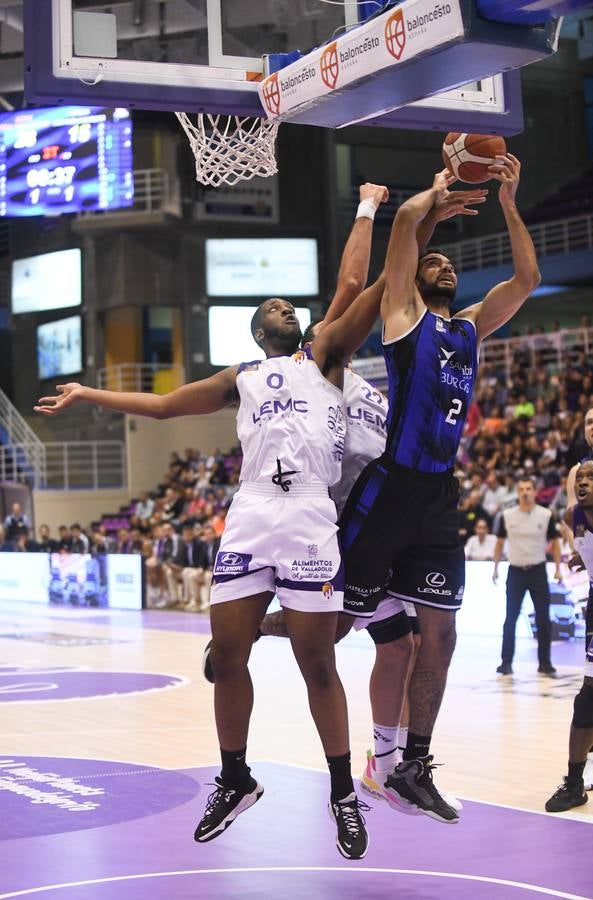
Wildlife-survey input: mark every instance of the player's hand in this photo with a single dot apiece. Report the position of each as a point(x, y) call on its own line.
point(68, 395)
point(575, 562)
point(442, 182)
point(507, 170)
point(376, 193)
point(459, 203)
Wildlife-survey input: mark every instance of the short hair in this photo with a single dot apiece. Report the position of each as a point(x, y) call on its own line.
point(526, 478)
point(308, 333)
point(430, 251)
point(256, 321)
point(76, 525)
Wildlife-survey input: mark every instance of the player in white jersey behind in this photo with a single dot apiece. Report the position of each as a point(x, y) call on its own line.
point(579, 519)
point(280, 535)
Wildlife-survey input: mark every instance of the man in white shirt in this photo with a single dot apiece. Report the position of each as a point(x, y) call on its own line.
point(528, 528)
point(145, 506)
point(481, 545)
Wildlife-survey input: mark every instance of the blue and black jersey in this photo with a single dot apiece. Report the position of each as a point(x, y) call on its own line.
point(432, 372)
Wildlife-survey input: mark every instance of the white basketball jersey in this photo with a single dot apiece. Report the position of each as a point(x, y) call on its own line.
point(366, 431)
point(290, 420)
point(583, 539)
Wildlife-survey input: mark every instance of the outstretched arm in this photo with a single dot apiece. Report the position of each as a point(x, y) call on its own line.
point(205, 396)
point(401, 303)
point(503, 301)
point(354, 267)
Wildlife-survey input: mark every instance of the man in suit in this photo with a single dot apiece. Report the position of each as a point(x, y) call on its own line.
point(187, 569)
point(165, 552)
point(212, 544)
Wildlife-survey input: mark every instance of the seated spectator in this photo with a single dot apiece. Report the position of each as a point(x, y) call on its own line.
point(470, 510)
point(173, 505)
point(187, 570)
point(5, 546)
point(144, 507)
point(79, 542)
point(46, 543)
point(493, 495)
point(480, 545)
point(64, 539)
point(165, 547)
point(14, 522)
point(212, 543)
point(24, 544)
point(123, 543)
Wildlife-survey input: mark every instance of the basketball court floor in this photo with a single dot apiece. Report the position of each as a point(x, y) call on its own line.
point(109, 750)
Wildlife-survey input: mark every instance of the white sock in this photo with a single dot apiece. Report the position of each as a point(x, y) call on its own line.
point(385, 746)
point(403, 737)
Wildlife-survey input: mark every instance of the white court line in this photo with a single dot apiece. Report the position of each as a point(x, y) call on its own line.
point(503, 882)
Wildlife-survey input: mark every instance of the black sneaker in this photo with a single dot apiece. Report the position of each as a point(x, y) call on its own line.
point(352, 839)
point(546, 670)
point(505, 669)
point(412, 782)
point(223, 806)
point(566, 797)
point(207, 670)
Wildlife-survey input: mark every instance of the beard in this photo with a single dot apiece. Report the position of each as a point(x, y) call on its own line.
point(438, 294)
point(286, 336)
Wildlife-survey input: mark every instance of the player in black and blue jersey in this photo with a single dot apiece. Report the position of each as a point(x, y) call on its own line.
point(402, 512)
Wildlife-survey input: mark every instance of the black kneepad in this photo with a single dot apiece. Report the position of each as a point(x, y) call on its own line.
point(583, 708)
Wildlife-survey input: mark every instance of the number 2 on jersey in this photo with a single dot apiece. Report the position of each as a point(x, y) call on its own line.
point(456, 406)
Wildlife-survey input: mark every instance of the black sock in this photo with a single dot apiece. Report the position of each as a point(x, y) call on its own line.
point(341, 776)
point(418, 746)
point(235, 771)
point(575, 771)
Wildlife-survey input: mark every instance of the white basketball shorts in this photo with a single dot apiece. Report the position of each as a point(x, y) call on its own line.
point(283, 542)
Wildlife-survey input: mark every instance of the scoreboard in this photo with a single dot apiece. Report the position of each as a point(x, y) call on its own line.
point(64, 160)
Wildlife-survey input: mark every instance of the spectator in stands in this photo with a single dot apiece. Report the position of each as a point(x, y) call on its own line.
point(136, 540)
point(172, 506)
point(98, 544)
point(493, 495)
point(524, 407)
point(470, 510)
point(123, 542)
point(79, 541)
point(212, 543)
point(5, 546)
point(480, 546)
point(46, 543)
point(64, 539)
point(187, 570)
point(165, 550)
point(144, 507)
point(24, 544)
point(218, 521)
point(15, 521)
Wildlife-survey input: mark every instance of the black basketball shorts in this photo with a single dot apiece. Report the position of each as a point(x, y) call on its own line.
point(405, 521)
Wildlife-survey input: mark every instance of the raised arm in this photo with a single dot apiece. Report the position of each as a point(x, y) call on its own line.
point(354, 266)
point(502, 302)
point(197, 398)
point(401, 304)
point(336, 343)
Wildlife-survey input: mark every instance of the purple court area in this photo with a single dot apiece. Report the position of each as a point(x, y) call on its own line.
point(20, 684)
point(283, 847)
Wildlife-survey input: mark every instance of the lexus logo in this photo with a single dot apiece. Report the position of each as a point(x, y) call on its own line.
point(231, 559)
point(435, 579)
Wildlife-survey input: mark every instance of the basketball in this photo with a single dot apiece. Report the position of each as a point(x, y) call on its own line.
point(467, 156)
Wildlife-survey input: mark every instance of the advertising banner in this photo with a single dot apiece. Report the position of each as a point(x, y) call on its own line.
point(415, 27)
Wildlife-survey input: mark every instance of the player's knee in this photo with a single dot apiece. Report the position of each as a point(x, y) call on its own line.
point(228, 660)
point(438, 642)
point(583, 707)
point(318, 671)
point(398, 652)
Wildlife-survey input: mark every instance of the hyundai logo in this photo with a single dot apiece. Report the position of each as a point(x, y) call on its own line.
point(435, 579)
point(231, 559)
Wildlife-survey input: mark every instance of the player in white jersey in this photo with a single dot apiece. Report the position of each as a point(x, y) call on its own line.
point(579, 519)
point(280, 535)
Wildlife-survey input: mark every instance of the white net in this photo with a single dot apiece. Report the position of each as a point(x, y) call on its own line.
point(229, 149)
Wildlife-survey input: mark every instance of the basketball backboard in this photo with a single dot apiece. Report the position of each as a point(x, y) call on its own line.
point(207, 56)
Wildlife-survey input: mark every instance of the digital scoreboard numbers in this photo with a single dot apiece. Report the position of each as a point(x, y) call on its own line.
point(64, 160)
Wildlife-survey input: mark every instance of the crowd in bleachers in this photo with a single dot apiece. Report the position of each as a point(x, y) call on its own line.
point(176, 528)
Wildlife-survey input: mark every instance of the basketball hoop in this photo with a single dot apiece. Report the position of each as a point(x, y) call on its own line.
point(229, 149)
